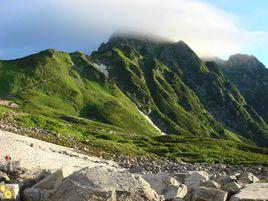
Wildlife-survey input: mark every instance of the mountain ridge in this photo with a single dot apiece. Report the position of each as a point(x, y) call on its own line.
point(107, 99)
point(186, 65)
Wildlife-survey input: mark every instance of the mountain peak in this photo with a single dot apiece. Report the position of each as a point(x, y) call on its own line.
point(119, 36)
point(244, 61)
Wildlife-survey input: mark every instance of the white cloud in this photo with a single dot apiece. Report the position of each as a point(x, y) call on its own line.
point(79, 24)
point(206, 29)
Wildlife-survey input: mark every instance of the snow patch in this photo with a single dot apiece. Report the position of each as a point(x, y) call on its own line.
point(151, 122)
point(102, 68)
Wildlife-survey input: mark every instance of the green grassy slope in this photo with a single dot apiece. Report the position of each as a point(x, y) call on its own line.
point(69, 96)
point(157, 90)
point(57, 84)
point(181, 94)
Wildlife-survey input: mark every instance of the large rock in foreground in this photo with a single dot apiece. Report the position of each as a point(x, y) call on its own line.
point(95, 184)
point(252, 192)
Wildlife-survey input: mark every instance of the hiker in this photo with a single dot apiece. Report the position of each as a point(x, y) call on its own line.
point(9, 163)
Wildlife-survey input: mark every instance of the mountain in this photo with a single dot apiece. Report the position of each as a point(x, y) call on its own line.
point(59, 84)
point(181, 94)
point(135, 96)
point(251, 78)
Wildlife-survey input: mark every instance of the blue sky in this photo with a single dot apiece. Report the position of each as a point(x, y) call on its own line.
point(211, 27)
point(253, 17)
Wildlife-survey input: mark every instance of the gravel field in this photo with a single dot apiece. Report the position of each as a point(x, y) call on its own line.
point(35, 155)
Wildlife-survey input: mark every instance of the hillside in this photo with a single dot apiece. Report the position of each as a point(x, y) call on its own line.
point(65, 86)
point(125, 96)
point(178, 91)
point(251, 78)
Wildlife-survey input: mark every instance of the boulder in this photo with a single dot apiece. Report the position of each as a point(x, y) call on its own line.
point(232, 187)
point(160, 181)
point(252, 192)
point(45, 184)
point(180, 177)
point(208, 194)
point(225, 179)
point(41, 175)
point(165, 185)
point(196, 178)
point(210, 184)
point(248, 178)
point(97, 183)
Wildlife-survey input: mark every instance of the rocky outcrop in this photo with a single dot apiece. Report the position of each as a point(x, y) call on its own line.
point(102, 183)
point(98, 183)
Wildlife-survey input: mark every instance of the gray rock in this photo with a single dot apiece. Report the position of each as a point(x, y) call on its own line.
point(46, 184)
point(165, 185)
point(232, 187)
point(102, 196)
point(248, 178)
point(225, 179)
point(41, 175)
point(210, 184)
point(97, 183)
point(208, 194)
point(196, 178)
point(3, 177)
point(173, 192)
point(252, 192)
point(180, 177)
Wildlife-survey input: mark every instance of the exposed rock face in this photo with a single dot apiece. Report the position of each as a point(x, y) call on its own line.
point(244, 61)
point(98, 183)
point(252, 192)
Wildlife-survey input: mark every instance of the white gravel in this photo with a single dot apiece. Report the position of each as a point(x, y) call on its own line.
point(35, 154)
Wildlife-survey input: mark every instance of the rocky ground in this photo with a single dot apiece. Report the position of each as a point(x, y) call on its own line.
point(41, 171)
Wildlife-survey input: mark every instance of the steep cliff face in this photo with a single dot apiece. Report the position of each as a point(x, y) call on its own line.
point(182, 94)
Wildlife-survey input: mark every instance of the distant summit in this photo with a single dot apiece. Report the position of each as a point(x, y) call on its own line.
point(250, 77)
point(244, 61)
